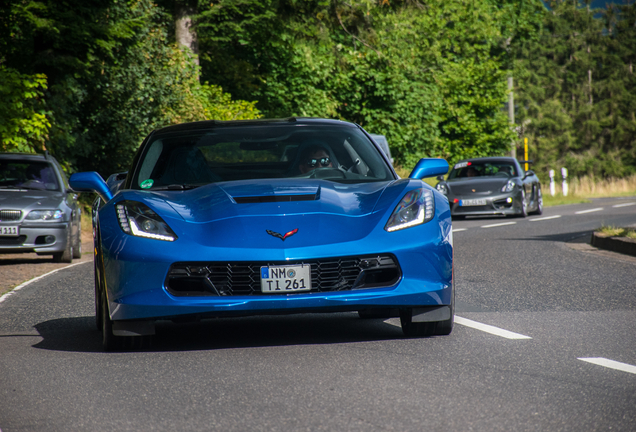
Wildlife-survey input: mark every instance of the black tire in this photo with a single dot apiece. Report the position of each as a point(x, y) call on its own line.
point(67, 255)
point(110, 342)
point(444, 328)
point(98, 301)
point(411, 329)
point(539, 209)
point(77, 244)
point(524, 206)
point(458, 217)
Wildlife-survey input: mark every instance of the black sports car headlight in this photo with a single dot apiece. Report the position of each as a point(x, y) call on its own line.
point(508, 187)
point(139, 220)
point(417, 207)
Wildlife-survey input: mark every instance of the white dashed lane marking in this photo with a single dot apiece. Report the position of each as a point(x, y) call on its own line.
point(499, 224)
point(589, 211)
point(544, 218)
point(459, 229)
point(475, 325)
point(489, 329)
point(600, 361)
point(624, 204)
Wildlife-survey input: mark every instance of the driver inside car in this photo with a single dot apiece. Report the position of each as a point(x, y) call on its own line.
point(314, 157)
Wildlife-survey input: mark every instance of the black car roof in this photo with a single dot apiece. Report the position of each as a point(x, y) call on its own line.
point(209, 124)
point(23, 156)
point(491, 159)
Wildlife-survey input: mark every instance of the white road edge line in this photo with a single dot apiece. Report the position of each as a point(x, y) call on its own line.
point(600, 361)
point(498, 225)
point(19, 287)
point(544, 218)
point(589, 211)
point(455, 230)
point(624, 204)
point(489, 329)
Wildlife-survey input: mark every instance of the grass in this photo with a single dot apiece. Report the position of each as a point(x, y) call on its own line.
point(580, 190)
point(613, 231)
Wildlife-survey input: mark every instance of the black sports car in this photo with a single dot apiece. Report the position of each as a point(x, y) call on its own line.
point(491, 186)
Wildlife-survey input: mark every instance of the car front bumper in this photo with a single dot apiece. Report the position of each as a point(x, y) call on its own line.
point(500, 204)
point(136, 283)
point(40, 238)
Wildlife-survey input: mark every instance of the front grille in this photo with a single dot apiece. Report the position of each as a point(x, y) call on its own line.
point(10, 215)
point(13, 241)
point(243, 278)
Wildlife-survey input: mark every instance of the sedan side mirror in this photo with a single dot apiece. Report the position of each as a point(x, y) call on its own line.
point(429, 167)
point(528, 173)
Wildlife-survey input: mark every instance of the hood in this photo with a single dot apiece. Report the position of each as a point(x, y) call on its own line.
point(483, 186)
point(251, 214)
point(274, 198)
point(11, 199)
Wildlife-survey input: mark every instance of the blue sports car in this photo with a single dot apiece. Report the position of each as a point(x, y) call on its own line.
point(268, 217)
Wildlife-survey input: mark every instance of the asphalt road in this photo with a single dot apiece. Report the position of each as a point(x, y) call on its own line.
point(545, 340)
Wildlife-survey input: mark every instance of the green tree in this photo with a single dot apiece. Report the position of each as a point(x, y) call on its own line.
point(24, 125)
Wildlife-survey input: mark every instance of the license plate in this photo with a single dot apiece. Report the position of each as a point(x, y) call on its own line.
point(10, 231)
point(286, 279)
point(472, 202)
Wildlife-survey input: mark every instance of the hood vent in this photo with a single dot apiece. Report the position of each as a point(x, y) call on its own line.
point(274, 198)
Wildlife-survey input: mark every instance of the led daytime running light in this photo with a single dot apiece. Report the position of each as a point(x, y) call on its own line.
point(129, 223)
point(417, 207)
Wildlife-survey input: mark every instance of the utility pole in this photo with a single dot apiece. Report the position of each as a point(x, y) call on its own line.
point(511, 115)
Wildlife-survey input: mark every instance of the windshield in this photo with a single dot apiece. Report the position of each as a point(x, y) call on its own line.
point(24, 174)
point(483, 169)
point(178, 160)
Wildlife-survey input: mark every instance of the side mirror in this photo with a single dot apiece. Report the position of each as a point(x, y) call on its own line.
point(528, 173)
point(429, 167)
point(440, 177)
point(90, 182)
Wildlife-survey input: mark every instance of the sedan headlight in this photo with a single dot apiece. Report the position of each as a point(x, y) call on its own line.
point(140, 220)
point(45, 215)
point(417, 207)
point(442, 188)
point(508, 187)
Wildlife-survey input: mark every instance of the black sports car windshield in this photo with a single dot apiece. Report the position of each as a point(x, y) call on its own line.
point(483, 169)
point(26, 174)
point(187, 159)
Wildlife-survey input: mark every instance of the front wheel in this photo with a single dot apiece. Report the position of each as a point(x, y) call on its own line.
point(524, 205)
point(77, 245)
point(110, 342)
point(67, 255)
point(539, 209)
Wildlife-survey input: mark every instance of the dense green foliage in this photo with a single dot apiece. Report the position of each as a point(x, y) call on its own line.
point(112, 74)
point(576, 90)
point(430, 75)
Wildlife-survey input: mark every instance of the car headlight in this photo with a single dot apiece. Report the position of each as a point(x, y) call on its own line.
point(442, 188)
point(508, 187)
point(45, 215)
point(417, 207)
point(140, 220)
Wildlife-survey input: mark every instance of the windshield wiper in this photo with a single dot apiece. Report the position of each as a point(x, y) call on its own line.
point(176, 187)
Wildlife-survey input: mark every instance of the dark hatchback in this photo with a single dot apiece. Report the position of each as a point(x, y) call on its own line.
point(491, 186)
point(39, 211)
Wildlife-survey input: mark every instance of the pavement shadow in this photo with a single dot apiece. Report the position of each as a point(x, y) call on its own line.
point(80, 335)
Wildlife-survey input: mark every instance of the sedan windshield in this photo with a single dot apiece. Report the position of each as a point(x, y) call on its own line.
point(182, 160)
point(483, 169)
point(24, 174)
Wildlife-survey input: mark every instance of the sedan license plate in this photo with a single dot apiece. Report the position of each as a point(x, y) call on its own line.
point(286, 279)
point(472, 202)
point(10, 231)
